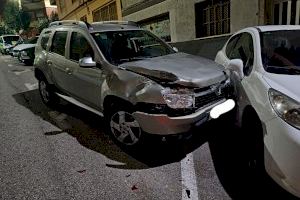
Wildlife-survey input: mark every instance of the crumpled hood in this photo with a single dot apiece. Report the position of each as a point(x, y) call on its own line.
point(179, 68)
point(286, 84)
point(21, 47)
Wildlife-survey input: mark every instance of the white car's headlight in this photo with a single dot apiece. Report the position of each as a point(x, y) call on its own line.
point(181, 98)
point(287, 108)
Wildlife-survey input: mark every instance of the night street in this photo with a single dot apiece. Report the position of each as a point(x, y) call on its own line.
point(64, 154)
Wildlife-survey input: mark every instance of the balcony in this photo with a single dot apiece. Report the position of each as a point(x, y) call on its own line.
point(28, 5)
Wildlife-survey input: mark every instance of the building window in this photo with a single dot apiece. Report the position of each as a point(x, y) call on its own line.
point(286, 12)
point(159, 25)
point(106, 13)
point(212, 17)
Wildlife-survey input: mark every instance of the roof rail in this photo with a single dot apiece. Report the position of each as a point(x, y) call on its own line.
point(117, 22)
point(70, 22)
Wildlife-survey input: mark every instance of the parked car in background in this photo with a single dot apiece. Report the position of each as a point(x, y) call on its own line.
point(7, 42)
point(25, 51)
point(138, 82)
point(265, 67)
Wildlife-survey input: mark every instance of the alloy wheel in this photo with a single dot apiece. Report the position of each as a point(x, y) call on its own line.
point(125, 128)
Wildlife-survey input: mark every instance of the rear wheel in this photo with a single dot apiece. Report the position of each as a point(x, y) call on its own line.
point(48, 96)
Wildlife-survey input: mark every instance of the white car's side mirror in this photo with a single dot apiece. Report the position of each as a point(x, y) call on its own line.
point(237, 66)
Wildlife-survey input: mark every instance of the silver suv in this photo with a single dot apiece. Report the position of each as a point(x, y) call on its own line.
point(139, 83)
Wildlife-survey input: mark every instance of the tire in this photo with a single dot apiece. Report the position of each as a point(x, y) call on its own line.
point(122, 125)
point(254, 144)
point(48, 96)
point(28, 62)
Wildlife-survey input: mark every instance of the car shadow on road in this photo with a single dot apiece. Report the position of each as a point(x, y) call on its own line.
point(226, 147)
point(88, 129)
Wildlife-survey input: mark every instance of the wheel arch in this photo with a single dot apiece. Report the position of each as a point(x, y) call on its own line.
point(110, 100)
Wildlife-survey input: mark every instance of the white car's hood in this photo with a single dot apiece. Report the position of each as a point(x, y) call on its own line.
point(286, 84)
point(23, 46)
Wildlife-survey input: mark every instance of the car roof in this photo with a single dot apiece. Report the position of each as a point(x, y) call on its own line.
point(96, 26)
point(278, 27)
point(9, 35)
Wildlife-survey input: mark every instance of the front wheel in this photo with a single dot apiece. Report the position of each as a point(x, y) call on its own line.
point(124, 128)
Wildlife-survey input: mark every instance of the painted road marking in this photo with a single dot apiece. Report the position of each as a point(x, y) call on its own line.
point(188, 178)
point(10, 65)
point(22, 72)
point(30, 86)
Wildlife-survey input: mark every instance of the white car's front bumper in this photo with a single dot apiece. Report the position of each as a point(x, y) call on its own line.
point(283, 162)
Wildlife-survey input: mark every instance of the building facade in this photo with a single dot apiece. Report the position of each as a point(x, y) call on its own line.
point(184, 20)
point(38, 9)
point(89, 10)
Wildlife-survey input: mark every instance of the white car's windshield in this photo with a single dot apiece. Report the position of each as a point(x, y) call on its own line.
point(12, 40)
point(280, 51)
point(124, 46)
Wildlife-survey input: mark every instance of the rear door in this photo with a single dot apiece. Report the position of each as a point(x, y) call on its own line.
point(56, 59)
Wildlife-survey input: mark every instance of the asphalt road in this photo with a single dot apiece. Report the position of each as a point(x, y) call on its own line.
point(63, 153)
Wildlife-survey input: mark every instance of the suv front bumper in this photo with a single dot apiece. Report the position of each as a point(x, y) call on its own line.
point(161, 124)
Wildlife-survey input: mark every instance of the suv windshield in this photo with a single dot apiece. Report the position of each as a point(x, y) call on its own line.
point(125, 46)
point(11, 39)
point(280, 51)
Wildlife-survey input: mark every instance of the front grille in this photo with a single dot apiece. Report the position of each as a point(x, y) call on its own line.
point(209, 98)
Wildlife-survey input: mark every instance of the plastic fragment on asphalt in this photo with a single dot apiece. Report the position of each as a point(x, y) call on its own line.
point(134, 187)
point(188, 193)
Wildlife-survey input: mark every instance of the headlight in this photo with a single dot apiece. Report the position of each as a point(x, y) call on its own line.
point(287, 108)
point(181, 98)
point(23, 53)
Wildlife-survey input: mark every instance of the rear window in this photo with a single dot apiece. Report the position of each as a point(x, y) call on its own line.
point(59, 42)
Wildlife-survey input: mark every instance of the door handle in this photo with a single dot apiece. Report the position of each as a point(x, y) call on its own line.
point(49, 62)
point(68, 71)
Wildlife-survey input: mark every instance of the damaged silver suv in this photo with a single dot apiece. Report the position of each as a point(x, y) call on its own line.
point(136, 81)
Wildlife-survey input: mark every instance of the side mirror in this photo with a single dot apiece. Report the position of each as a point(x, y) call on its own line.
point(87, 62)
point(175, 49)
point(237, 66)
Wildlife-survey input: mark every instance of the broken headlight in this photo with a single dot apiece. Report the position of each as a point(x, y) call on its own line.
point(286, 108)
point(178, 98)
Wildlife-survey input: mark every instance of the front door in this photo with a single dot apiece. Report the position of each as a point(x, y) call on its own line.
point(85, 82)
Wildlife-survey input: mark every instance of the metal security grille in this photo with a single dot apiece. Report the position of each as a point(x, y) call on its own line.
point(106, 13)
point(212, 18)
point(286, 12)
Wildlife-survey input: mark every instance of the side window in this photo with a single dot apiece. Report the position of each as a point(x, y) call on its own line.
point(59, 42)
point(231, 44)
point(80, 47)
point(244, 50)
point(45, 39)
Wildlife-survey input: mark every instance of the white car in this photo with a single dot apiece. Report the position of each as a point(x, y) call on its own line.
point(265, 66)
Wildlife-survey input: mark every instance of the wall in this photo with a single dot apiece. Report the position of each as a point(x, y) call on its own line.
point(182, 17)
point(244, 13)
point(72, 11)
point(205, 47)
